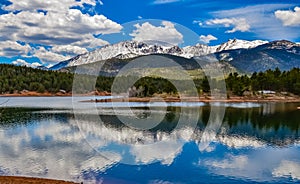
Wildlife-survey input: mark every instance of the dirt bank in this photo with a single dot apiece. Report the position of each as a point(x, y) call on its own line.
point(28, 180)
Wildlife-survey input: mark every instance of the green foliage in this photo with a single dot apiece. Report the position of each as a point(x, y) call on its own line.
point(238, 84)
point(152, 85)
point(18, 78)
point(274, 80)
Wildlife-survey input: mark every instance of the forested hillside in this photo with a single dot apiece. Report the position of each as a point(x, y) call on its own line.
point(14, 79)
point(18, 78)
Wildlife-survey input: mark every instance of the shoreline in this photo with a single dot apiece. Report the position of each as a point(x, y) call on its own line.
point(31, 180)
point(47, 94)
point(163, 98)
point(194, 99)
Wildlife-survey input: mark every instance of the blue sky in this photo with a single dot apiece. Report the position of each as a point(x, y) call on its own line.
point(35, 32)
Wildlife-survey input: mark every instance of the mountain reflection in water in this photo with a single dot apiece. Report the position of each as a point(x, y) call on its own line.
point(256, 143)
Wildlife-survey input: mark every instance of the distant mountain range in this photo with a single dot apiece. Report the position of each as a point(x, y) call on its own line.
point(244, 56)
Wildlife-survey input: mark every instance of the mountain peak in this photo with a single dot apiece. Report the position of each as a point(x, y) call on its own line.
point(132, 49)
point(281, 44)
point(232, 44)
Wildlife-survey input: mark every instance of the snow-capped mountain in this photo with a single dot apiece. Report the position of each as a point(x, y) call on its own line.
point(232, 44)
point(132, 49)
point(123, 50)
point(239, 44)
point(282, 54)
point(198, 50)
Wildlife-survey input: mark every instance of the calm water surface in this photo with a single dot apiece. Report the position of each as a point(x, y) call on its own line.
point(44, 137)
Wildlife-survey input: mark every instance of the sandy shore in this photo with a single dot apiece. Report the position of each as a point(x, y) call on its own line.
point(28, 180)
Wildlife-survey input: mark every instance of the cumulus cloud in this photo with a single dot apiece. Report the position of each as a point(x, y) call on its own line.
point(12, 48)
point(289, 17)
point(55, 54)
point(238, 24)
point(165, 33)
point(53, 5)
point(49, 56)
point(55, 28)
point(58, 26)
point(207, 38)
point(22, 62)
point(89, 41)
point(69, 49)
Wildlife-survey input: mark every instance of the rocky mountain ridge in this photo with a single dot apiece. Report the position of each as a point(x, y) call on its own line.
point(244, 56)
point(132, 49)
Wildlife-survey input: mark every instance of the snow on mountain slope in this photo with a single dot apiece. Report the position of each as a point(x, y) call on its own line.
point(124, 50)
point(198, 50)
point(282, 54)
point(239, 44)
point(131, 49)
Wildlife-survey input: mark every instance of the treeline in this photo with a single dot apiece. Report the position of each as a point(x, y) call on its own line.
point(18, 78)
point(274, 80)
point(14, 79)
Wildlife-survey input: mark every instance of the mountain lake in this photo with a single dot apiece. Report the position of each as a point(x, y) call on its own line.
point(62, 138)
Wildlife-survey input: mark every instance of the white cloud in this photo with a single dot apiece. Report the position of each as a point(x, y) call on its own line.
point(89, 41)
point(164, 151)
point(68, 157)
point(66, 30)
point(58, 53)
point(207, 38)
point(55, 54)
point(249, 11)
point(261, 20)
point(55, 28)
point(165, 1)
point(289, 17)
point(235, 162)
point(69, 49)
point(287, 169)
point(53, 5)
point(13, 48)
point(257, 165)
point(22, 62)
point(164, 33)
point(49, 56)
point(238, 24)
